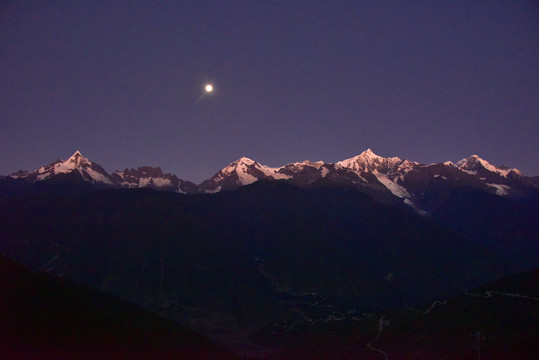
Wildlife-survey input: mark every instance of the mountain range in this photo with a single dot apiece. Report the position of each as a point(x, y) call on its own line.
point(386, 179)
point(249, 256)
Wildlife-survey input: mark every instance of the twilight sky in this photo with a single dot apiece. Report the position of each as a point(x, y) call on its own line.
point(294, 80)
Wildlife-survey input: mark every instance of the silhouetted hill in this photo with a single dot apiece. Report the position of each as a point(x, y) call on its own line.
point(43, 317)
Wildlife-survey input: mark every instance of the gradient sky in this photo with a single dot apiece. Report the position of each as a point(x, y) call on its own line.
point(320, 80)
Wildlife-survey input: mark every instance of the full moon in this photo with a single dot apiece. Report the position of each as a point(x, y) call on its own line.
point(208, 88)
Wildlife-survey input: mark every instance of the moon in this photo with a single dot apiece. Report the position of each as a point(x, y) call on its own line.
point(208, 88)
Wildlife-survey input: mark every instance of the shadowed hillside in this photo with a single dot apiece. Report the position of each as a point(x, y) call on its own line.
point(43, 318)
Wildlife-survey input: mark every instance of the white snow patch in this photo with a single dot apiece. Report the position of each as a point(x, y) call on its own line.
point(213, 191)
point(414, 206)
point(161, 182)
point(395, 188)
point(42, 177)
point(98, 177)
point(64, 167)
point(244, 177)
point(143, 182)
point(501, 190)
point(273, 172)
point(398, 191)
point(493, 168)
point(317, 164)
point(324, 171)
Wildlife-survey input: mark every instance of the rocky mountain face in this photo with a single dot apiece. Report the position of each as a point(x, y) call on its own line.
point(153, 178)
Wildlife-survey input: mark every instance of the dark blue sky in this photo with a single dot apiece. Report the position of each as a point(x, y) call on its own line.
point(320, 80)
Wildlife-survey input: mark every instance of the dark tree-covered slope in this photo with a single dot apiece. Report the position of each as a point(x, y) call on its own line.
point(43, 317)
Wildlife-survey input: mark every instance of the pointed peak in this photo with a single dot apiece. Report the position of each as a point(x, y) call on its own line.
point(76, 155)
point(368, 153)
point(475, 158)
point(244, 160)
point(235, 165)
point(471, 160)
point(77, 159)
point(369, 161)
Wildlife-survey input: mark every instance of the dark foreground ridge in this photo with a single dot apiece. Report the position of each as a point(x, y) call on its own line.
point(48, 318)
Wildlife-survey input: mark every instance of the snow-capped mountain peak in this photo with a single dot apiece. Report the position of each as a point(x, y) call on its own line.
point(76, 155)
point(475, 164)
point(374, 174)
point(79, 169)
point(241, 172)
point(240, 165)
point(368, 161)
point(75, 161)
point(77, 164)
point(245, 160)
point(369, 154)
